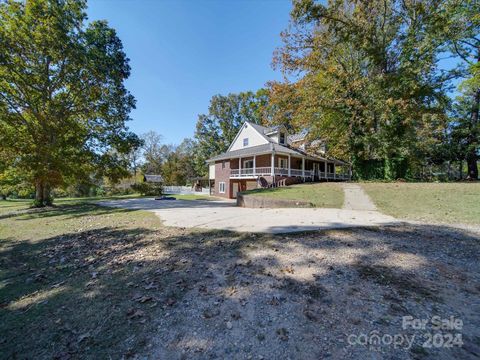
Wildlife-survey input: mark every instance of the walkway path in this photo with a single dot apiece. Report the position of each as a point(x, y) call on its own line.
point(356, 198)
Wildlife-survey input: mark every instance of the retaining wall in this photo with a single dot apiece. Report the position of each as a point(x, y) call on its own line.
point(252, 201)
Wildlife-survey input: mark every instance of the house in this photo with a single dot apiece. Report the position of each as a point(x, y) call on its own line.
point(262, 156)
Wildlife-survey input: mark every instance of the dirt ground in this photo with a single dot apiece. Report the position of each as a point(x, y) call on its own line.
point(90, 282)
point(312, 296)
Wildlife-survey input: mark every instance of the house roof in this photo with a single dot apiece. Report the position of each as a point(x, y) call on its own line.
point(298, 136)
point(153, 178)
point(272, 146)
point(262, 130)
point(261, 149)
point(266, 130)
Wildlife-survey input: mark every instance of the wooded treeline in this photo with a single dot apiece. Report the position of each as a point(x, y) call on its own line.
point(378, 79)
point(391, 86)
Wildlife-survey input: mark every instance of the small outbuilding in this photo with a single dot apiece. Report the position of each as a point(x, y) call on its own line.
point(157, 179)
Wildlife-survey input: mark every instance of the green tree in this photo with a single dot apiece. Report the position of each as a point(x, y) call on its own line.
point(152, 153)
point(365, 79)
point(226, 114)
point(187, 153)
point(63, 103)
point(464, 140)
point(462, 33)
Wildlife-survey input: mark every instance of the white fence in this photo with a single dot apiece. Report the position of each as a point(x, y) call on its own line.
point(186, 190)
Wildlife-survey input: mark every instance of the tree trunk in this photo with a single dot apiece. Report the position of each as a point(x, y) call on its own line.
point(472, 156)
point(42, 194)
point(39, 202)
point(460, 170)
point(47, 199)
point(472, 165)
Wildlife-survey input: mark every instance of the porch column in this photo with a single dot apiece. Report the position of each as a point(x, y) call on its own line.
point(240, 167)
point(254, 165)
point(303, 166)
point(272, 164)
point(334, 172)
point(289, 166)
point(326, 171)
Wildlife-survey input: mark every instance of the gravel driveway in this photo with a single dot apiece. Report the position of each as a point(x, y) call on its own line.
point(224, 215)
point(317, 295)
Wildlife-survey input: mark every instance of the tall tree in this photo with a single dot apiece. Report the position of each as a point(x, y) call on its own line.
point(464, 140)
point(462, 31)
point(152, 153)
point(365, 79)
point(226, 114)
point(187, 153)
point(63, 103)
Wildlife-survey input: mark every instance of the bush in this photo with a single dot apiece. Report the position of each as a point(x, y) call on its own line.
point(148, 189)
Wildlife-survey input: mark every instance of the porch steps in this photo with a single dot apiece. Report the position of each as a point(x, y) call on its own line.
point(285, 182)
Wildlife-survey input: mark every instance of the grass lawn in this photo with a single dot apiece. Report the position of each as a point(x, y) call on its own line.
point(437, 202)
point(63, 277)
point(86, 280)
point(326, 195)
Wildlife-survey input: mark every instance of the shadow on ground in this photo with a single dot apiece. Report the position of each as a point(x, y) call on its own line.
point(70, 210)
point(152, 204)
point(172, 293)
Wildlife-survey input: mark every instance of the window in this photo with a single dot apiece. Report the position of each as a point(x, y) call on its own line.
point(248, 164)
point(223, 164)
point(245, 142)
point(282, 163)
point(221, 187)
point(282, 138)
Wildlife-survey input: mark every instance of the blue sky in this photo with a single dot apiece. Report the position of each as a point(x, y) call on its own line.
point(182, 52)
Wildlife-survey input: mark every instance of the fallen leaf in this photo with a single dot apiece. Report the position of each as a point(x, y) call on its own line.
point(150, 286)
point(170, 301)
point(84, 337)
point(144, 299)
point(134, 313)
point(282, 334)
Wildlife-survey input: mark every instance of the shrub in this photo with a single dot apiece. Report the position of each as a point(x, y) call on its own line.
point(148, 189)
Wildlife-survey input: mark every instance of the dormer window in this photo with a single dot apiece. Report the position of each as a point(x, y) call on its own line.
point(281, 138)
point(245, 142)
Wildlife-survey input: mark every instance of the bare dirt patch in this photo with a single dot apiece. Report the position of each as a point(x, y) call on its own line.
point(301, 296)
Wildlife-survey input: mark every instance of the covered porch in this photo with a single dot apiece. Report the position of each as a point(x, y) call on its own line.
point(287, 165)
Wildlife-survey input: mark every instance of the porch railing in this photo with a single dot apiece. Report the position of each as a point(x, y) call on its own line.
point(260, 171)
point(266, 171)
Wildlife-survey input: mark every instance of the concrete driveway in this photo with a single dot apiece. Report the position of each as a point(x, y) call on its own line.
point(224, 215)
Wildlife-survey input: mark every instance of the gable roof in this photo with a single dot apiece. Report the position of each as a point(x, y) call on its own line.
point(271, 146)
point(258, 129)
point(153, 178)
point(266, 130)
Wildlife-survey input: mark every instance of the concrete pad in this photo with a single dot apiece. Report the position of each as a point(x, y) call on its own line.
point(224, 215)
